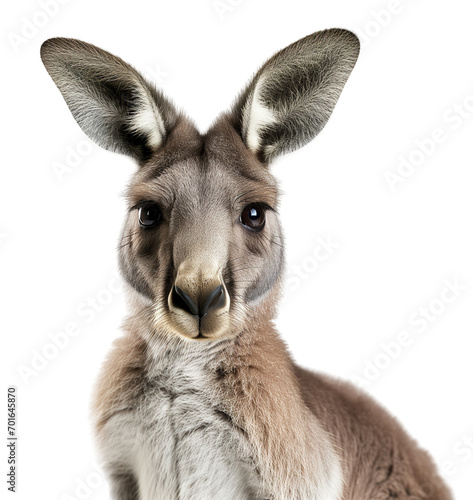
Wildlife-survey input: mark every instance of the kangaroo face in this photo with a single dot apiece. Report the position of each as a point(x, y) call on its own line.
point(202, 245)
point(202, 240)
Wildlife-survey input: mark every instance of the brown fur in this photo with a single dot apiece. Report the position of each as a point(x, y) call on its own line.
point(376, 450)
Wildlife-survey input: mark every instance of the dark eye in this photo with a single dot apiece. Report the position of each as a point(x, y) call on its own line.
point(149, 215)
point(253, 217)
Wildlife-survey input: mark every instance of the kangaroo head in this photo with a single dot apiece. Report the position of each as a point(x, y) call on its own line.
point(202, 245)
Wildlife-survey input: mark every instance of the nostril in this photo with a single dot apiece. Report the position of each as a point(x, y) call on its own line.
point(183, 301)
point(215, 300)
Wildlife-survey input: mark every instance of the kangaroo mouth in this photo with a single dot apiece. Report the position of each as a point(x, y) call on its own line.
point(209, 327)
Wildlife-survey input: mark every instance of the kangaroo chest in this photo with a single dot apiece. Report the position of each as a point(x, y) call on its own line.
point(187, 447)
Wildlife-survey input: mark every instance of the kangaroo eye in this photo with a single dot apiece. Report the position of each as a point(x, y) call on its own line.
point(149, 215)
point(253, 217)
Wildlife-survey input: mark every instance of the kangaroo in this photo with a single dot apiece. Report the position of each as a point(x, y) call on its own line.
point(201, 399)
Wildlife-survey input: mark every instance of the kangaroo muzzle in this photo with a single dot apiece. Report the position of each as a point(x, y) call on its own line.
point(199, 300)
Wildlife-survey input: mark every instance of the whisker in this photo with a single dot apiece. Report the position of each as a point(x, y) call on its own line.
point(127, 236)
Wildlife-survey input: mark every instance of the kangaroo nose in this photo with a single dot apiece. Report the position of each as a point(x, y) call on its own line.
point(214, 300)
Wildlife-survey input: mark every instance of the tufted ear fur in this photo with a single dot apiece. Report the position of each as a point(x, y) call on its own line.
point(114, 105)
point(292, 96)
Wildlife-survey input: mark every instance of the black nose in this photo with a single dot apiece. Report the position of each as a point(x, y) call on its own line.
point(214, 300)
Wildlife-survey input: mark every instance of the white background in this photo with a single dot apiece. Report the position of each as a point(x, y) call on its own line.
point(396, 248)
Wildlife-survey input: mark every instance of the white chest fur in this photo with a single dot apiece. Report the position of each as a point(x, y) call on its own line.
point(179, 444)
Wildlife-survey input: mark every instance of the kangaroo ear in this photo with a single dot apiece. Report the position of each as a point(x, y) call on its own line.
point(292, 96)
point(113, 104)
